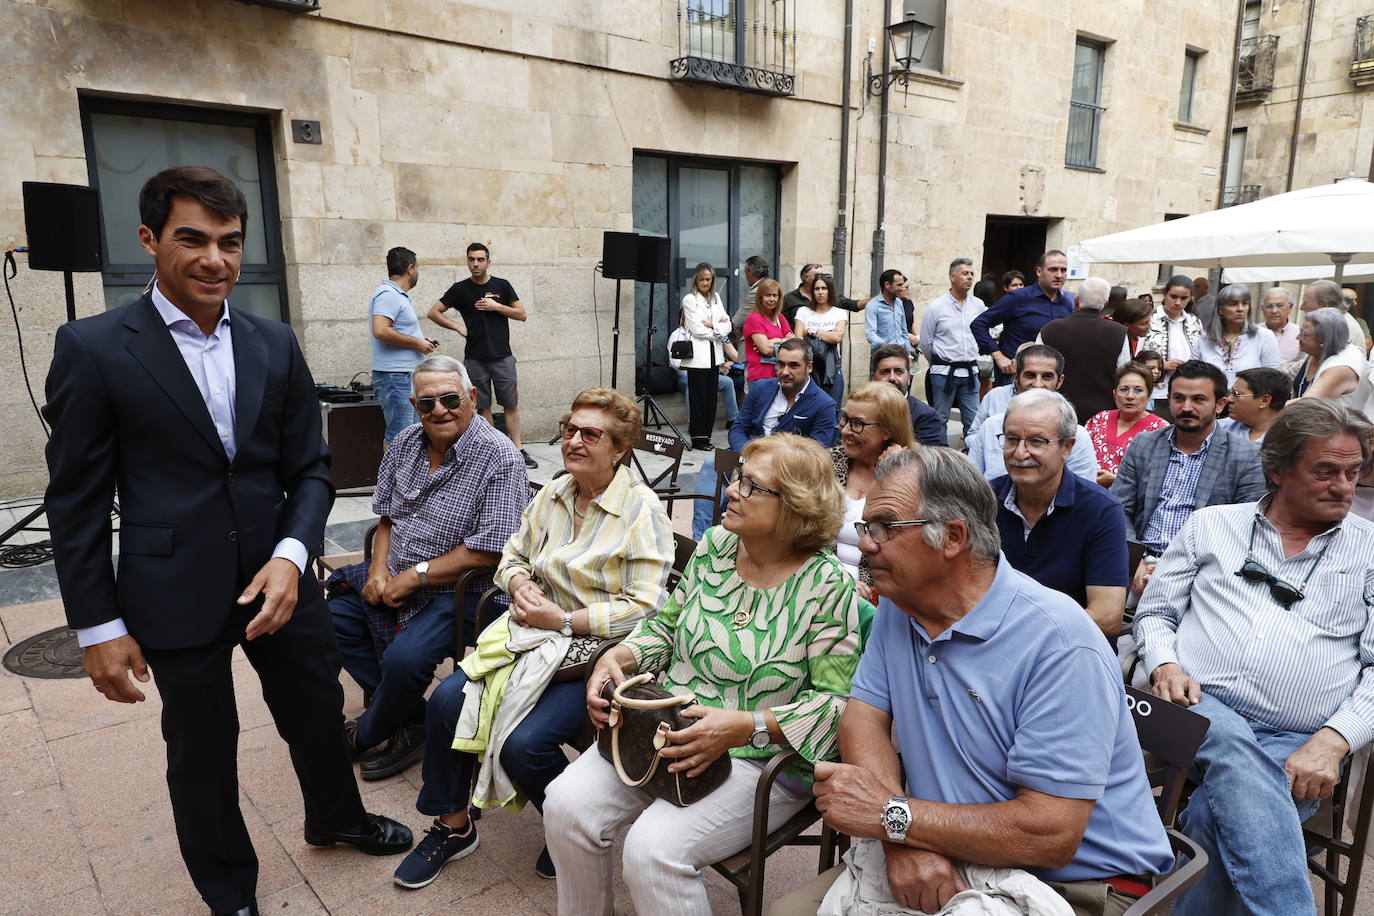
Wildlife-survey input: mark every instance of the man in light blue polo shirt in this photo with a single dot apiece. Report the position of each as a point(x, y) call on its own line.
point(397, 344)
point(1017, 745)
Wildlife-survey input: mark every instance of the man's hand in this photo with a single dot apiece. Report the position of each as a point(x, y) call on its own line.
point(375, 587)
point(1314, 769)
point(716, 730)
point(277, 583)
point(1003, 362)
point(1168, 682)
point(109, 664)
point(852, 799)
point(921, 880)
point(1143, 572)
point(399, 587)
point(424, 346)
point(485, 304)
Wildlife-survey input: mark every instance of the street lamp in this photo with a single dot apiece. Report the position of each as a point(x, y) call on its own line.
point(908, 39)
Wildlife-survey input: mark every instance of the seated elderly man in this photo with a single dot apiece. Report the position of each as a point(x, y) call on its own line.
point(450, 492)
point(1258, 617)
point(1037, 366)
point(1064, 532)
point(1018, 748)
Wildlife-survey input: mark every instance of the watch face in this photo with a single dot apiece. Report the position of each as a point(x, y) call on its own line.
point(896, 819)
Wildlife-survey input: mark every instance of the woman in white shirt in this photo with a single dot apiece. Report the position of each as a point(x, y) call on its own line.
point(1173, 331)
point(706, 321)
point(1334, 368)
point(1231, 342)
point(823, 322)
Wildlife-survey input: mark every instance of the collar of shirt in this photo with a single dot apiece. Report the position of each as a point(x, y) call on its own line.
point(1267, 528)
point(396, 286)
point(174, 317)
point(611, 500)
point(460, 446)
point(983, 619)
point(1062, 497)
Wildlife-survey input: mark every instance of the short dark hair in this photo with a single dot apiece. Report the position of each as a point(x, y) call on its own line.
point(1179, 280)
point(1196, 368)
point(1272, 382)
point(756, 266)
point(957, 263)
point(1135, 368)
point(1145, 355)
point(796, 343)
point(1012, 275)
point(398, 261)
point(985, 290)
point(1130, 311)
point(205, 186)
point(1053, 252)
point(1040, 351)
point(887, 351)
point(1117, 295)
point(478, 246)
point(889, 275)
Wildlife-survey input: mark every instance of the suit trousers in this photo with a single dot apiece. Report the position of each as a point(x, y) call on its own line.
point(701, 396)
point(298, 667)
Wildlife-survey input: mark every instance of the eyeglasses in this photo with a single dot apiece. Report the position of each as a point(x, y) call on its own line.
point(747, 486)
point(1236, 394)
point(881, 532)
point(1285, 593)
point(1033, 444)
point(451, 401)
point(1303, 335)
point(1128, 390)
point(843, 419)
point(590, 434)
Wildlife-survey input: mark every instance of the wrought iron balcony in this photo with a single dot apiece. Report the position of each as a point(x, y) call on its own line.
point(1240, 194)
point(1084, 120)
point(1362, 61)
point(749, 45)
point(1255, 76)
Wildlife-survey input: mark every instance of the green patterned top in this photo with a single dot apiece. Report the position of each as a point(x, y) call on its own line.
point(792, 648)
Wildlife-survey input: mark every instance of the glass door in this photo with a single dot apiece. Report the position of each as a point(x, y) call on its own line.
point(703, 228)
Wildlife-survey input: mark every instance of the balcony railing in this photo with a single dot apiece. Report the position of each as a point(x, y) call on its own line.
point(742, 44)
point(1255, 76)
point(1240, 194)
point(1362, 61)
point(1084, 120)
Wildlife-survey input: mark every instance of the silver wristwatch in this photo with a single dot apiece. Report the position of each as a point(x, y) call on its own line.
point(422, 571)
point(567, 624)
point(760, 739)
point(896, 819)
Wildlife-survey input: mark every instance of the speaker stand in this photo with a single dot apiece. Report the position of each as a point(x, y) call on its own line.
point(654, 417)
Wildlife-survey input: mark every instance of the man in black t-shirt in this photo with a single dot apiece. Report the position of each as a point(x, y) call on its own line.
point(486, 304)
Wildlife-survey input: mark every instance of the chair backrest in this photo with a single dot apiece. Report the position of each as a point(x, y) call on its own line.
point(683, 548)
point(647, 458)
point(727, 460)
point(1170, 736)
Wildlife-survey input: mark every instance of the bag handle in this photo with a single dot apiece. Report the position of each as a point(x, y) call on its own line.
point(660, 739)
point(681, 699)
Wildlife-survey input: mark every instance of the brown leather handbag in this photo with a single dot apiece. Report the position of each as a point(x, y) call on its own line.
point(642, 714)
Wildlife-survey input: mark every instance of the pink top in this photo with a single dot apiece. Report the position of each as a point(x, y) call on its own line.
point(1110, 447)
point(779, 328)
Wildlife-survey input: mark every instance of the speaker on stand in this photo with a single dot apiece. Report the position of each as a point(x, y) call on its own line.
point(652, 268)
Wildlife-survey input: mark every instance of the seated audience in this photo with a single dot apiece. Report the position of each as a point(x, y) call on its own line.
point(1008, 709)
point(450, 491)
point(1136, 315)
point(1277, 306)
point(1048, 372)
point(1063, 531)
point(872, 424)
point(1113, 430)
point(769, 580)
point(1155, 363)
point(591, 558)
point(1333, 367)
point(892, 364)
point(1323, 294)
point(1231, 342)
point(1258, 618)
point(1167, 473)
point(1256, 399)
point(1037, 366)
point(764, 327)
point(790, 403)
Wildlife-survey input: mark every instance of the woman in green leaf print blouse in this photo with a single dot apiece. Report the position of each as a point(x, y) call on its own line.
point(764, 629)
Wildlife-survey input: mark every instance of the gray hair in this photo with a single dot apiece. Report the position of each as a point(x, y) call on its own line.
point(1039, 397)
point(1216, 325)
point(446, 364)
point(1093, 293)
point(1327, 294)
point(1331, 330)
point(1287, 296)
point(1306, 419)
point(950, 488)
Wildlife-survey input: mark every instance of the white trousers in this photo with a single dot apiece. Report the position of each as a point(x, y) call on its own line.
point(666, 846)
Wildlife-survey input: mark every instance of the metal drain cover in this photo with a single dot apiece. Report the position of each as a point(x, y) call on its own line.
point(51, 654)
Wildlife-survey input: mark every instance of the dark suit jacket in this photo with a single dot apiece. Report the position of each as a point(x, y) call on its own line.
point(812, 414)
point(128, 421)
point(926, 424)
point(1091, 348)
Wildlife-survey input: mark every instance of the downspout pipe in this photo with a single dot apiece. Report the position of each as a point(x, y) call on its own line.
point(879, 231)
point(1302, 94)
point(840, 242)
point(1230, 113)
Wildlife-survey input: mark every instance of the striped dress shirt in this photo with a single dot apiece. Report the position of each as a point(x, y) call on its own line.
point(616, 567)
point(1294, 670)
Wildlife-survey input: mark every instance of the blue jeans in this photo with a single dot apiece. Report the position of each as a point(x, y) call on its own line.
point(949, 391)
point(532, 755)
point(703, 509)
point(398, 679)
point(725, 391)
point(393, 392)
point(1243, 815)
point(836, 389)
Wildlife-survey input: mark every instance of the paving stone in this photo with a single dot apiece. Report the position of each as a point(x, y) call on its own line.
point(24, 761)
point(37, 826)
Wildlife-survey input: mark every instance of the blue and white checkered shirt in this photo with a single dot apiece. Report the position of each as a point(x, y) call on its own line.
point(1177, 495)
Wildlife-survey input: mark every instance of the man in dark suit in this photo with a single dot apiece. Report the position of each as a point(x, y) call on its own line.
point(1092, 348)
point(891, 363)
point(203, 420)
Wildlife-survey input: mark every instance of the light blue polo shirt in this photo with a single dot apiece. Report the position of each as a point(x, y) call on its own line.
point(1022, 691)
point(393, 302)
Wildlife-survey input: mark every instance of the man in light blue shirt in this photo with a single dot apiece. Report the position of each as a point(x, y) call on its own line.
point(885, 316)
point(949, 345)
point(397, 343)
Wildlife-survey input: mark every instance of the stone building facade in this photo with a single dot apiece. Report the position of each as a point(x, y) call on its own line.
point(535, 126)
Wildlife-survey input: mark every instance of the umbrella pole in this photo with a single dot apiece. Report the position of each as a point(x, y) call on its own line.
point(1340, 260)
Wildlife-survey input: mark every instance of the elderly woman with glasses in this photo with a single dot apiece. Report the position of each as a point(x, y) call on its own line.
point(1230, 341)
point(1333, 367)
point(590, 560)
point(1113, 430)
point(764, 631)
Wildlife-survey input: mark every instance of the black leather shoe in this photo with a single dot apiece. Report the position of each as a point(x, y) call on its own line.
point(379, 836)
point(249, 910)
point(404, 750)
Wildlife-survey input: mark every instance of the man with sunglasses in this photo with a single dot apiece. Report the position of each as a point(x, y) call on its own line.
point(450, 492)
point(801, 296)
point(1258, 617)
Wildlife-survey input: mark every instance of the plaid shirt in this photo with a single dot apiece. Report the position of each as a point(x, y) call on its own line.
point(1178, 495)
point(473, 499)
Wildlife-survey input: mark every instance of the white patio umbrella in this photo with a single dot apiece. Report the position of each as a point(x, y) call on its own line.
point(1331, 224)
point(1353, 273)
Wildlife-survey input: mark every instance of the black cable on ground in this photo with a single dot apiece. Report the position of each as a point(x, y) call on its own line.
point(11, 270)
point(19, 556)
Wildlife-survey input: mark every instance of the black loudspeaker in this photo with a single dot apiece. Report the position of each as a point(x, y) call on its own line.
point(619, 255)
point(653, 259)
point(62, 222)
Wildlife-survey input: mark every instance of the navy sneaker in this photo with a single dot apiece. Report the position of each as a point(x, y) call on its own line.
point(440, 846)
point(529, 462)
point(544, 867)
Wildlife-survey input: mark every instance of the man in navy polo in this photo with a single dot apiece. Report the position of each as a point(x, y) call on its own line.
point(1065, 532)
point(1023, 312)
point(1010, 715)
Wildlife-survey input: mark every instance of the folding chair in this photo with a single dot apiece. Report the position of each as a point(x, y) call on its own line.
point(1326, 848)
point(647, 456)
point(726, 463)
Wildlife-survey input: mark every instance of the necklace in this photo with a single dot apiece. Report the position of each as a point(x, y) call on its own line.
point(577, 494)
